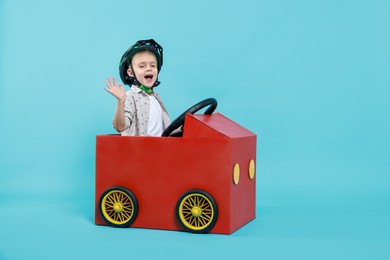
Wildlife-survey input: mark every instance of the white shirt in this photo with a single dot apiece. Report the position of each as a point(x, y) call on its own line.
point(155, 122)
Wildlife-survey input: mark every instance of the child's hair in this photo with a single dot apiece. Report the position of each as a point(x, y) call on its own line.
point(139, 46)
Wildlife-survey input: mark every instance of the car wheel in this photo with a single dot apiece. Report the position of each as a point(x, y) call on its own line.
point(118, 207)
point(197, 211)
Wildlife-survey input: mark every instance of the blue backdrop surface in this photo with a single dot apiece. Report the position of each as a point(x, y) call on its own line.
point(310, 78)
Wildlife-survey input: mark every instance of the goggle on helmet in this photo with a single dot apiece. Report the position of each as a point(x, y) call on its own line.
point(125, 62)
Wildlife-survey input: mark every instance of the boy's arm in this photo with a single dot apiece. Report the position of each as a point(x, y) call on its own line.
point(119, 117)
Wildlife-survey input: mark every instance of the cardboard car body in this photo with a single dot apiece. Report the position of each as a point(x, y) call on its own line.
point(215, 155)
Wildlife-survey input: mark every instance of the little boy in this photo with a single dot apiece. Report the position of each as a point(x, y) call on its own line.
point(139, 111)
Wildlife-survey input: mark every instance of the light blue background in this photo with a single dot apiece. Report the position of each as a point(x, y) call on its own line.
point(310, 78)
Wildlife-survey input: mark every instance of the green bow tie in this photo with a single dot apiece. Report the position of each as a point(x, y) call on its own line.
point(147, 90)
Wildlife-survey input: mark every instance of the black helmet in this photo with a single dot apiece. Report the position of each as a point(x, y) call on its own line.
point(143, 45)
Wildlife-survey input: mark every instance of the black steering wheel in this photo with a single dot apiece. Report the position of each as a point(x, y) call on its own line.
point(179, 121)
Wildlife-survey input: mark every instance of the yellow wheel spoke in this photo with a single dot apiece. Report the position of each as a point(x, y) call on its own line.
point(201, 222)
point(191, 201)
point(192, 220)
point(126, 215)
point(187, 206)
point(207, 217)
point(130, 209)
point(111, 213)
point(186, 209)
point(110, 199)
point(116, 197)
point(187, 214)
point(120, 217)
point(108, 202)
point(119, 197)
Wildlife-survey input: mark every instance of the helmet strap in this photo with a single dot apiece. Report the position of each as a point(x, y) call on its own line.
point(135, 80)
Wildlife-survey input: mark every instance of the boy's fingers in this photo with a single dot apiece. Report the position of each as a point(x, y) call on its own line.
point(108, 84)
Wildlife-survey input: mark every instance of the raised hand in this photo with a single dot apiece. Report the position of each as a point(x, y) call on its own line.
point(115, 89)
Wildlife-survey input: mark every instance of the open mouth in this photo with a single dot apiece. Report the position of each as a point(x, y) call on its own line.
point(149, 77)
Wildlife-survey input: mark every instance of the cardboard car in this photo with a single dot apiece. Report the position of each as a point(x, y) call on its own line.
point(203, 181)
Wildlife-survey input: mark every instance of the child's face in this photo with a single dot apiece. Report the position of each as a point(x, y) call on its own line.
point(145, 68)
